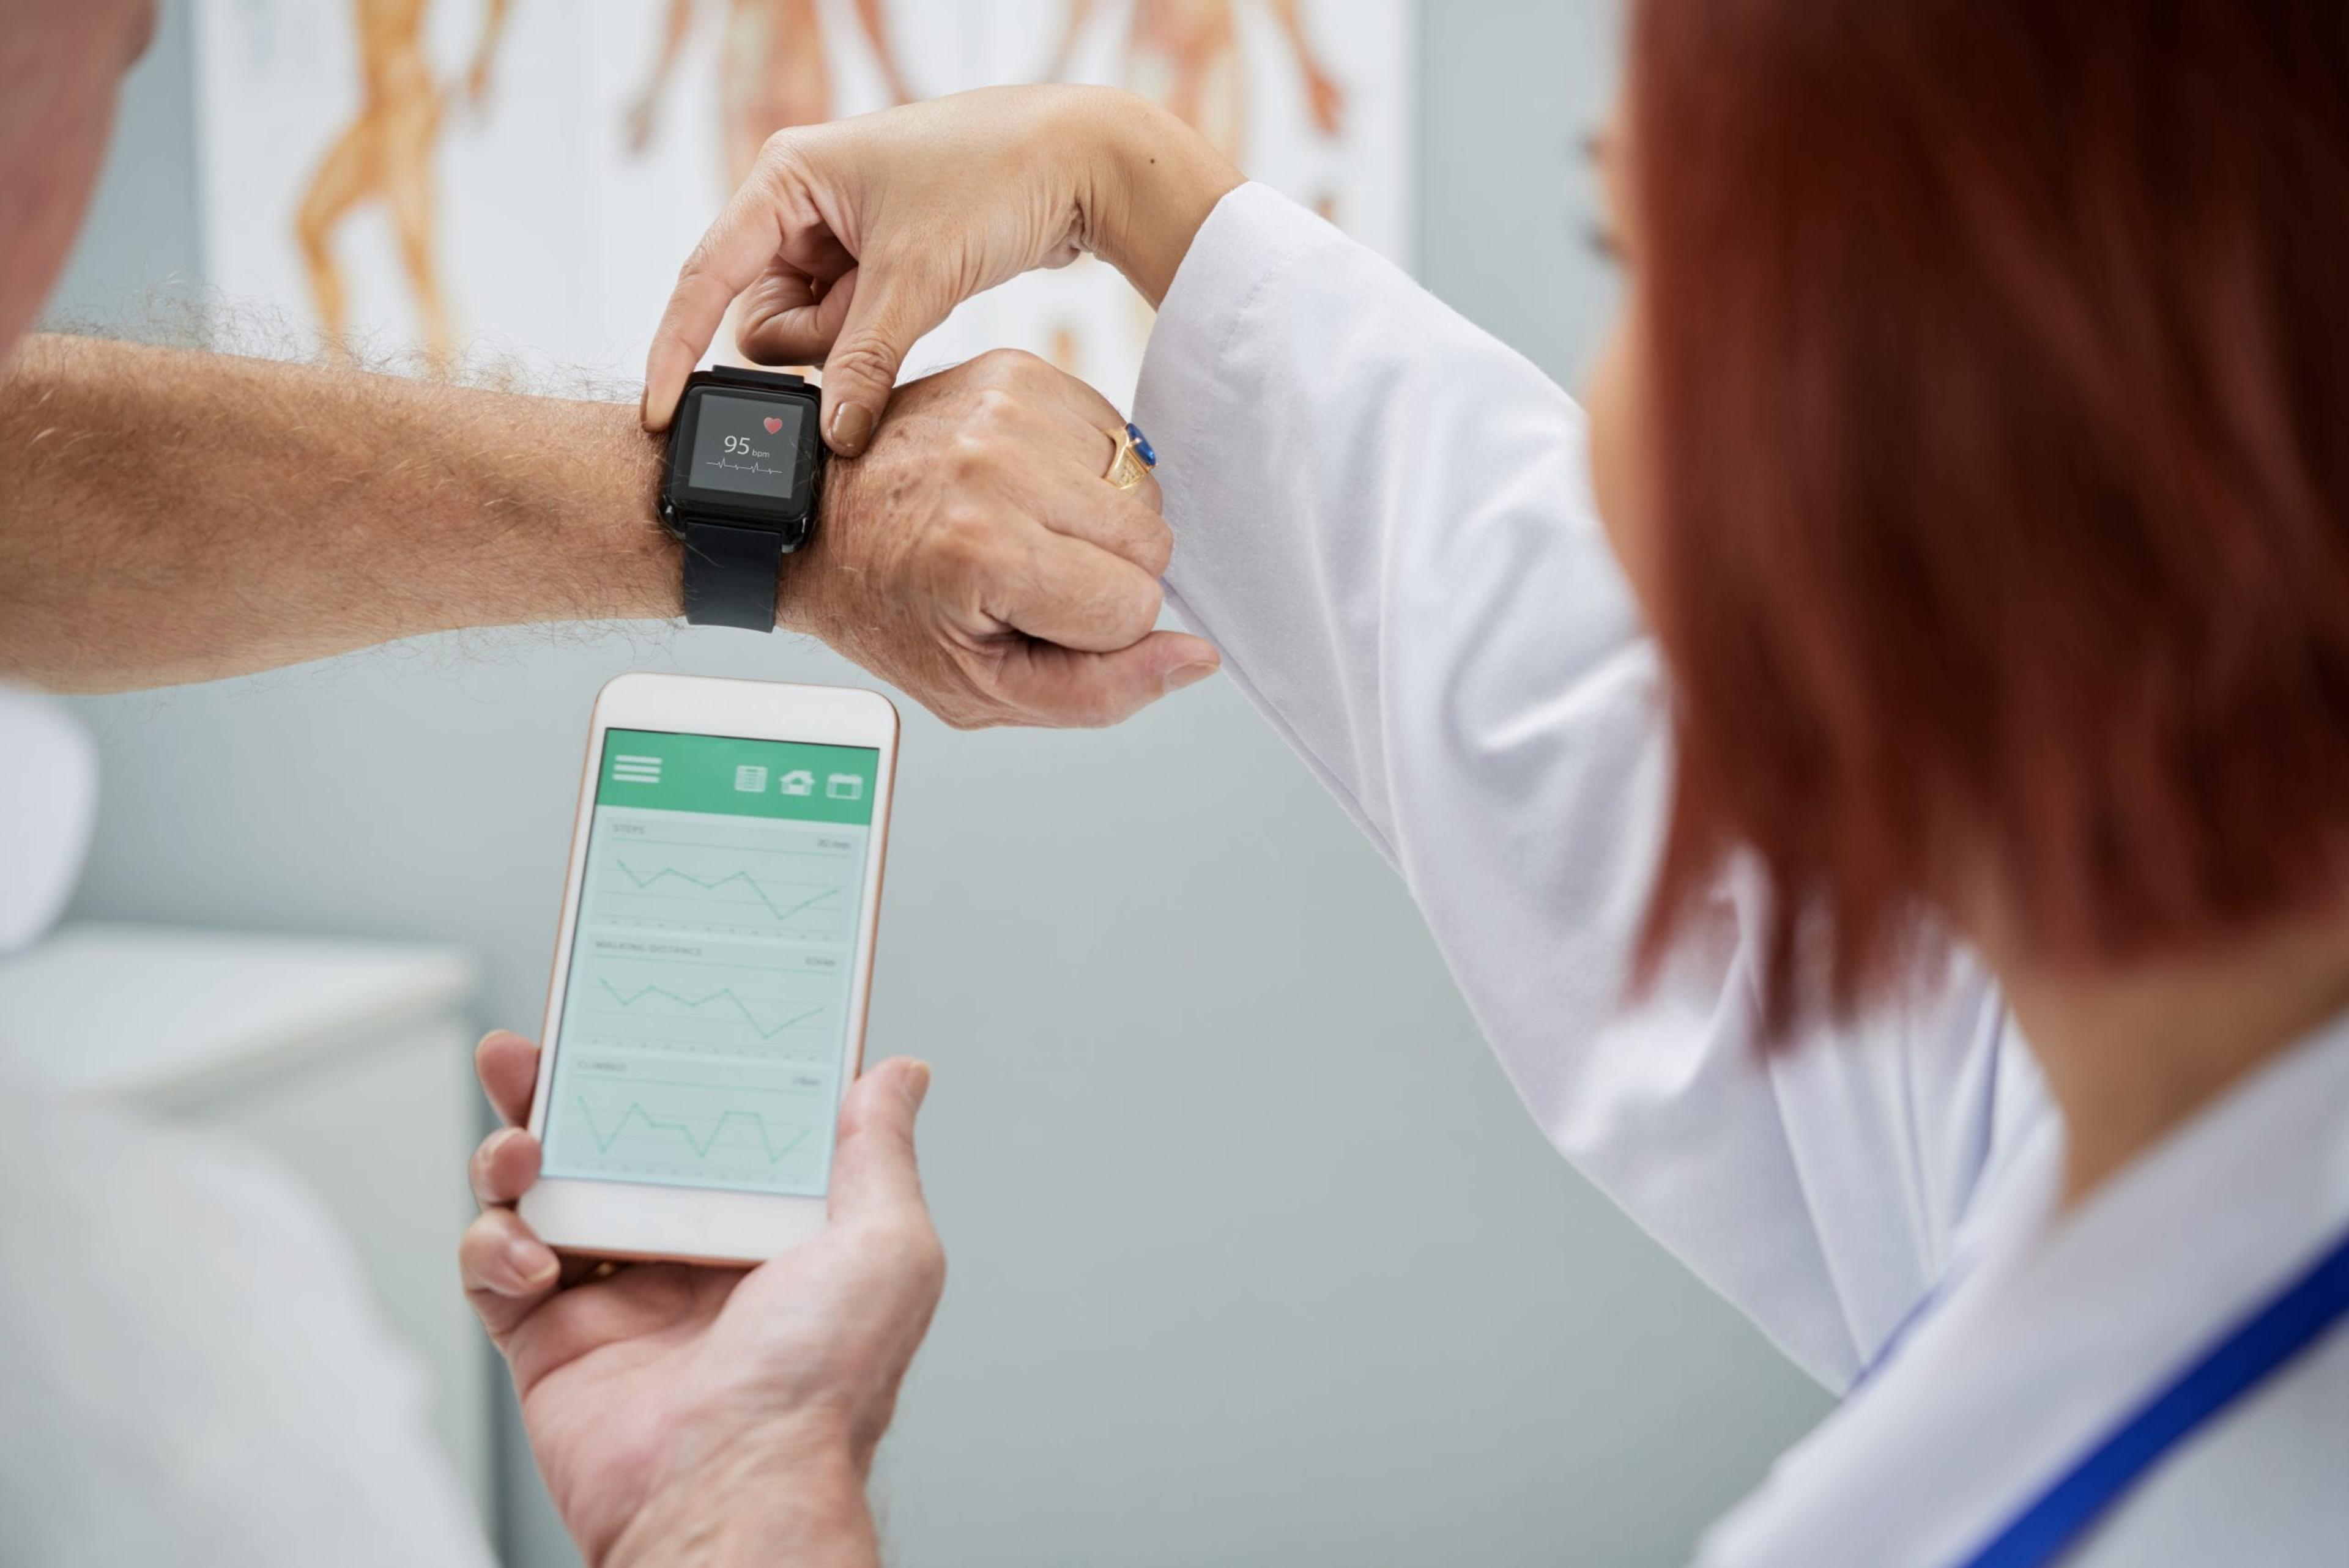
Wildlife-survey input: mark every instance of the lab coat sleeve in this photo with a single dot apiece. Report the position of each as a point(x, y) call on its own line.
point(1382, 517)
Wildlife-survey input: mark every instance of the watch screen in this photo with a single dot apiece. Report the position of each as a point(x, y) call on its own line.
point(747, 443)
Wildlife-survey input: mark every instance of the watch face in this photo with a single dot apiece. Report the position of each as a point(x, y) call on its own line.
point(748, 445)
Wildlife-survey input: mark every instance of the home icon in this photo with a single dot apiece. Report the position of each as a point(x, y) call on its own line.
point(798, 781)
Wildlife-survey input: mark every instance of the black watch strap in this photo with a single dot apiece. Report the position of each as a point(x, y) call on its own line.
point(731, 576)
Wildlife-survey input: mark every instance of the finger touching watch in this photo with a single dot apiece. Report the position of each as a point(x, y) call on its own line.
point(745, 474)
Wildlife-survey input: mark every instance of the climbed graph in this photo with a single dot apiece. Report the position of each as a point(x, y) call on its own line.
point(717, 1127)
point(711, 976)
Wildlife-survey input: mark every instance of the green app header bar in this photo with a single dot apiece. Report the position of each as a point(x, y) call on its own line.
point(719, 774)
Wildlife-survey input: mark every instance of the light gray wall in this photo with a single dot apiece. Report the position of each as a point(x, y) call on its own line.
point(1256, 1258)
point(144, 228)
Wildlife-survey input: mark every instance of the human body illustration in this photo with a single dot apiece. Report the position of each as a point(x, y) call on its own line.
point(772, 70)
point(1187, 55)
point(386, 151)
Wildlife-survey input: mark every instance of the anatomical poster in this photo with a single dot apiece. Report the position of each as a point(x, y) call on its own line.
point(445, 182)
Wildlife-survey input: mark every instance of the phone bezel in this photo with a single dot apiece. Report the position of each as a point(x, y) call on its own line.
point(689, 1225)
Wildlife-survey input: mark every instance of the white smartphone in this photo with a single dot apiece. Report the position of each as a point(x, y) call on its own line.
point(707, 1010)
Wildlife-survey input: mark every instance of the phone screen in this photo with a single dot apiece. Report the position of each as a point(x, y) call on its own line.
point(713, 960)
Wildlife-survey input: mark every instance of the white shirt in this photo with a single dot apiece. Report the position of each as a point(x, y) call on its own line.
point(1384, 518)
point(191, 1368)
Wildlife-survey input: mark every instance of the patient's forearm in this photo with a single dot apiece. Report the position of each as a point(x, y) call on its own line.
point(167, 516)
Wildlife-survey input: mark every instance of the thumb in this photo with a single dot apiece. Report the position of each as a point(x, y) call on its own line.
point(872, 1168)
point(1049, 685)
point(886, 312)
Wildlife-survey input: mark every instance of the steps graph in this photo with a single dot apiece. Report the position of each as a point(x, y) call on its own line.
point(706, 1007)
point(776, 909)
point(693, 898)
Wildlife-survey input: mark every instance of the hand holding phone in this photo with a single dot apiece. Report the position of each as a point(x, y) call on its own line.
point(666, 1403)
point(706, 1009)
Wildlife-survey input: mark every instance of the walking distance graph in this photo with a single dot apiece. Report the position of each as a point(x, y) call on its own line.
point(723, 994)
point(708, 997)
point(724, 1009)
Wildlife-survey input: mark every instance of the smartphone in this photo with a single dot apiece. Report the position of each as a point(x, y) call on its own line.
point(707, 1008)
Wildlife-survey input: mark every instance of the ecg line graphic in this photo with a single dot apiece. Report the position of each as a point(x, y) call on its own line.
point(707, 885)
point(749, 1017)
point(685, 1130)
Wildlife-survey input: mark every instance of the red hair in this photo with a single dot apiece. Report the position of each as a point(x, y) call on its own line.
point(1997, 367)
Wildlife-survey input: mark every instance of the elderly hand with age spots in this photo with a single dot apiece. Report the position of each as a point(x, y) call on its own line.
point(712, 1415)
point(976, 556)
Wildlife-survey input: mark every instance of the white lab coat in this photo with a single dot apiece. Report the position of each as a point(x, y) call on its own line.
point(1384, 519)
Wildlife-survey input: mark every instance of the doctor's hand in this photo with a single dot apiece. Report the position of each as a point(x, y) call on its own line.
point(850, 239)
point(710, 1414)
point(976, 557)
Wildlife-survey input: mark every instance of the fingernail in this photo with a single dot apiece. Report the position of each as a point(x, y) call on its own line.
point(917, 1084)
point(532, 1263)
point(1182, 675)
point(851, 427)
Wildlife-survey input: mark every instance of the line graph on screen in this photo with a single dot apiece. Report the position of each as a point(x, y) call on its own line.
point(696, 1126)
point(742, 1009)
point(709, 996)
point(686, 892)
point(702, 1147)
point(781, 911)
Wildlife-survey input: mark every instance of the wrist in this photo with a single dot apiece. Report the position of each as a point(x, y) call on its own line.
point(1150, 187)
point(800, 582)
point(605, 555)
point(520, 510)
point(765, 1499)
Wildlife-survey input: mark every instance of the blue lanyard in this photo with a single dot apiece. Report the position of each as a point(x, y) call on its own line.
point(2294, 1319)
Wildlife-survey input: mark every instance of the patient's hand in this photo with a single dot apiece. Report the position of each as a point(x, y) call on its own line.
point(975, 556)
point(705, 1414)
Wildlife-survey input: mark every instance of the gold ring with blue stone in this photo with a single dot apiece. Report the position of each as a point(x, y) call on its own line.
point(1132, 461)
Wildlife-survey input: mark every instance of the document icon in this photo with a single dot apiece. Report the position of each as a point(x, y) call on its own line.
point(751, 779)
point(799, 781)
point(846, 786)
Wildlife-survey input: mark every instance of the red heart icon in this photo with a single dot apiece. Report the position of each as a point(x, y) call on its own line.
point(774, 425)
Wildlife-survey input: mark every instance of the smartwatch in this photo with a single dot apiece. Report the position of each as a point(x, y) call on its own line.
point(745, 473)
